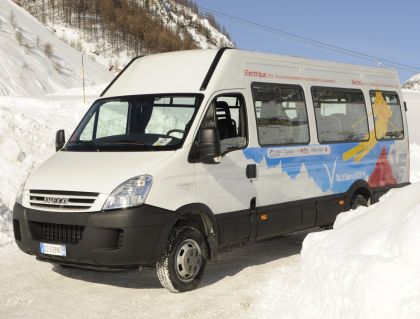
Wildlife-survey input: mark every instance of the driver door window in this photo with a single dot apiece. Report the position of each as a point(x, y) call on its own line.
point(227, 113)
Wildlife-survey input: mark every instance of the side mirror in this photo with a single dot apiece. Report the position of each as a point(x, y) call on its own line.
point(208, 146)
point(60, 140)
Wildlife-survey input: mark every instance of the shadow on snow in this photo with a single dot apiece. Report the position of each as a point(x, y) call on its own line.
point(227, 264)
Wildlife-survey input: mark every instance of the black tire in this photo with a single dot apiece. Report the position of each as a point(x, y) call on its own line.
point(358, 200)
point(175, 271)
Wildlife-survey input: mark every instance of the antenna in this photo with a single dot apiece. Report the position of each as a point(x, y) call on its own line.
point(83, 80)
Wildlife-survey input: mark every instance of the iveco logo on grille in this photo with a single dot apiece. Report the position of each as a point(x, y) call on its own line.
point(56, 200)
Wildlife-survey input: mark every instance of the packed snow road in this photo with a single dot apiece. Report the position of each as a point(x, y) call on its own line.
point(35, 289)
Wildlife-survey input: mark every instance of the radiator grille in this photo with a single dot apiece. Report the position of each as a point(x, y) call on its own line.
point(58, 233)
point(62, 200)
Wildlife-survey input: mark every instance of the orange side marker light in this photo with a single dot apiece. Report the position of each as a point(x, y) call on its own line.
point(263, 217)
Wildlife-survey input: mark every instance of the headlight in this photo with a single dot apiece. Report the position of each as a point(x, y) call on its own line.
point(130, 193)
point(19, 195)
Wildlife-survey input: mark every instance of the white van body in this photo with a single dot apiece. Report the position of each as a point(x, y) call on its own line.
point(256, 189)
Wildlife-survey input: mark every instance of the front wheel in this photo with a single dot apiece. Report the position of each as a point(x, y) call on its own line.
point(181, 266)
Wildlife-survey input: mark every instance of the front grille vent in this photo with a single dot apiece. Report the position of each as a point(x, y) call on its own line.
point(58, 233)
point(62, 200)
point(120, 240)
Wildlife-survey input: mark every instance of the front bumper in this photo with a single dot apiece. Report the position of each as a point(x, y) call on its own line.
point(125, 238)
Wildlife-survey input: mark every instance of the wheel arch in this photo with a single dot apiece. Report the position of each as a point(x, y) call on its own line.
point(200, 215)
point(359, 187)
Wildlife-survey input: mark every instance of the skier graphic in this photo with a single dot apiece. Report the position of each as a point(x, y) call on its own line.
point(382, 113)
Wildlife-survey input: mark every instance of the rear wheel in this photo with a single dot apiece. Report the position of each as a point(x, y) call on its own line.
point(181, 266)
point(358, 200)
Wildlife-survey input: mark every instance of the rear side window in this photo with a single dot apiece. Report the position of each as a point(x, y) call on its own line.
point(388, 117)
point(340, 115)
point(281, 114)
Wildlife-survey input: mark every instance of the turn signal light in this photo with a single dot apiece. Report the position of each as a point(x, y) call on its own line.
point(263, 217)
point(341, 202)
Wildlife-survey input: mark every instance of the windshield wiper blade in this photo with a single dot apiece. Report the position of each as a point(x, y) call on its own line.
point(83, 142)
point(125, 143)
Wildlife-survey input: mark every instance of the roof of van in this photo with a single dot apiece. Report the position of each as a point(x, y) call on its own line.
point(190, 71)
point(172, 72)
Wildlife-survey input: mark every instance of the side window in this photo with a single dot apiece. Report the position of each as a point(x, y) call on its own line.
point(227, 113)
point(281, 114)
point(387, 113)
point(340, 115)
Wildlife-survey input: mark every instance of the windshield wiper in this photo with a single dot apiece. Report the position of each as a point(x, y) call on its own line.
point(82, 142)
point(125, 143)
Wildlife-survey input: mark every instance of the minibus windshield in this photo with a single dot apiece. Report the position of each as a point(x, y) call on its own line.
point(136, 123)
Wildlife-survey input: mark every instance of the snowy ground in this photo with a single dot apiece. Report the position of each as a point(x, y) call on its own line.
point(32, 289)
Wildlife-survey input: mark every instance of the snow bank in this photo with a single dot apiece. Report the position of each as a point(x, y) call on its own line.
point(414, 163)
point(366, 267)
point(5, 225)
point(27, 133)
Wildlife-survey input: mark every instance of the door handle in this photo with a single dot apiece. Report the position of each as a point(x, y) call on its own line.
point(251, 171)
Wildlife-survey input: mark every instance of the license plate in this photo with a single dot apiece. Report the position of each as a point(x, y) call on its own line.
point(51, 249)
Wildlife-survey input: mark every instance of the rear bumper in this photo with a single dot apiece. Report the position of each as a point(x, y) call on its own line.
point(125, 238)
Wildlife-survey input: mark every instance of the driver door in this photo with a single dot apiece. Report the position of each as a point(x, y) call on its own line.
point(224, 187)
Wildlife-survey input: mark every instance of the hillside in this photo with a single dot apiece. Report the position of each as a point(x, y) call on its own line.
point(113, 32)
point(36, 62)
point(413, 83)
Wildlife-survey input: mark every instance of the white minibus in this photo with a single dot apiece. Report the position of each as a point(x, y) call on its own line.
point(186, 154)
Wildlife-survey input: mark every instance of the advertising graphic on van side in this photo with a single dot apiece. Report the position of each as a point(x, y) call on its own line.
point(330, 171)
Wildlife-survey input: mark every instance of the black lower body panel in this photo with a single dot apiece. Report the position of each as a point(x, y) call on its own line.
point(279, 219)
point(115, 239)
point(379, 191)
